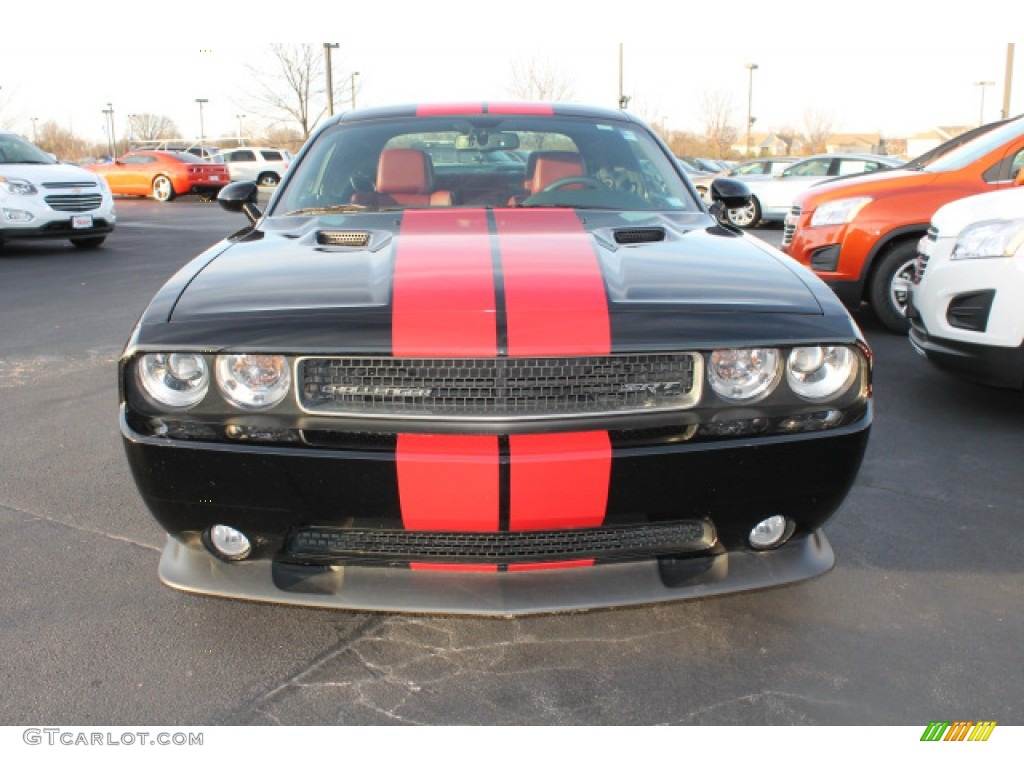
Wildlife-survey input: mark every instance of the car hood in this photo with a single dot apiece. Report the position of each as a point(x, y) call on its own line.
point(441, 272)
point(863, 184)
point(47, 173)
point(951, 218)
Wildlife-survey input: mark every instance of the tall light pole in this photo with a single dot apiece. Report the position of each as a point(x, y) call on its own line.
point(354, 89)
point(34, 121)
point(750, 103)
point(202, 129)
point(240, 119)
point(983, 83)
point(109, 125)
point(131, 131)
point(623, 98)
point(330, 76)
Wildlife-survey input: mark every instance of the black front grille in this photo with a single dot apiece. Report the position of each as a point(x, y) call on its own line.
point(74, 203)
point(498, 388)
point(382, 546)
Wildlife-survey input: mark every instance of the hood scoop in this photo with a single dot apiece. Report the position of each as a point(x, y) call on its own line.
point(637, 235)
point(343, 238)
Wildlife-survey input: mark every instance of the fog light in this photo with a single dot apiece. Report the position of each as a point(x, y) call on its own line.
point(13, 214)
point(229, 542)
point(770, 532)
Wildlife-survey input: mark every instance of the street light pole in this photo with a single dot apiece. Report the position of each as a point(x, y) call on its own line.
point(34, 121)
point(623, 98)
point(202, 129)
point(354, 89)
point(240, 119)
point(108, 118)
point(750, 103)
point(330, 76)
point(983, 83)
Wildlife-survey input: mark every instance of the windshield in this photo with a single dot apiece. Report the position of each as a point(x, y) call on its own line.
point(963, 156)
point(14, 149)
point(486, 161)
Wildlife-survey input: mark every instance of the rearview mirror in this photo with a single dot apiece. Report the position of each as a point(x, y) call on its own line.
point(481, 139)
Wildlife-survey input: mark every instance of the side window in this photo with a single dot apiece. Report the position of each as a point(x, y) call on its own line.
point(242, 156)
point(846, 167)
point(817, 167)
point(272, 157)
point(1007, 168)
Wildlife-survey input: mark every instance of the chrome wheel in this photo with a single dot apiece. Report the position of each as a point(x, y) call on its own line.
point(745, 217)
point(163, 190)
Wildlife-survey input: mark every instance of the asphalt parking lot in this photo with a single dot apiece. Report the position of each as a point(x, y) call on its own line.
point(921, 619)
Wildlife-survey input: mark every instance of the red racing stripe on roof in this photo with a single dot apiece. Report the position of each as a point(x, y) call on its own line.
point(425, 110)
point(443, 293)
point(512, 108)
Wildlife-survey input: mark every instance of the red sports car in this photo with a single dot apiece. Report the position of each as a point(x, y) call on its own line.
point(164, 175)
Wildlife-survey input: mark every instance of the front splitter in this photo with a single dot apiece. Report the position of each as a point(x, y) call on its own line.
point(400, 590)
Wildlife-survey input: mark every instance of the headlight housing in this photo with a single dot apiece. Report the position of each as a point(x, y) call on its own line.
point(820, 373)
point(18, 186)
point(253, 381)
point(743, 375)
point(990, 239)
point(838, 211)
point(174, 379)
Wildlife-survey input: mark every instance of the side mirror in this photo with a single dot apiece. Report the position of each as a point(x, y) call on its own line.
point(731, 193)
point(241, 197)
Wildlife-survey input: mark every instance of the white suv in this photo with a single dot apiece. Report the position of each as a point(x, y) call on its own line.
point(263, 165)
point(41, 198)
point(967, 302)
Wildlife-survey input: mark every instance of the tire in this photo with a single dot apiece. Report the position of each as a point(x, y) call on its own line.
point(88, 242)
point(163, 189)
point(268, 179)
point(889, 291)
point(745, 218)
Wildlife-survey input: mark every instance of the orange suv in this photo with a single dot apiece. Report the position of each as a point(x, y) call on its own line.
point(860, 234)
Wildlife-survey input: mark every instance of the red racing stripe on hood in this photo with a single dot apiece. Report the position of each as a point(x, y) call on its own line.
point(443, 292)
point(554, 290)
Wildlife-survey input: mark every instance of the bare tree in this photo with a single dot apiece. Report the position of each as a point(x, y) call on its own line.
point(539, 80)
point(293, 90)
point(148, 127)
point(61, 142)
point(818, 124)
point(716, 108)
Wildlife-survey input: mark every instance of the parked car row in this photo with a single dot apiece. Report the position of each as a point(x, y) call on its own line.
point(860, 235)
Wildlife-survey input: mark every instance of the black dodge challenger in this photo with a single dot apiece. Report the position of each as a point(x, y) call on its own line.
point(492, 358)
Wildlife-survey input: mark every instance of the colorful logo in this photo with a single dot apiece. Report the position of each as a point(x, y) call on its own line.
point(961, 730)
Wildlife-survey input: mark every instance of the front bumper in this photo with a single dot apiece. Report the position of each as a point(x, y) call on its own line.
point(192, 569)
point(273, 492)
point(59, 229)
point(981, 363)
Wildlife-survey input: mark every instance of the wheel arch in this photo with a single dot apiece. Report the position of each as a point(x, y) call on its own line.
point(892, 239)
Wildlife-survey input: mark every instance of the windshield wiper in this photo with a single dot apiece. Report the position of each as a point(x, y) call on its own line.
point(340, 208)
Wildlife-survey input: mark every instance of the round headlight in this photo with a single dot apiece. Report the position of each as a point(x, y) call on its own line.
point(820, 373)
point(253, 381)
point(176, 379)
point(743, 375)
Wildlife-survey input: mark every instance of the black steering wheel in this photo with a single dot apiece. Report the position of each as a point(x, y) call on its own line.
point(588, 181)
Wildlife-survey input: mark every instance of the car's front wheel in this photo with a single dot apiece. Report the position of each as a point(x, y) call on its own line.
point(163, 190)
point(890, 286)
point(746, 217)
point(88, 242)
point(268, 180)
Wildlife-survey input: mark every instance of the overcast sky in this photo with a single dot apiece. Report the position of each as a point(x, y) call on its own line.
point(873, 66)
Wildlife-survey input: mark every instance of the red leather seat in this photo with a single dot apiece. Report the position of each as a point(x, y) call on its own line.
point(405, 177)
point(545, 168)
